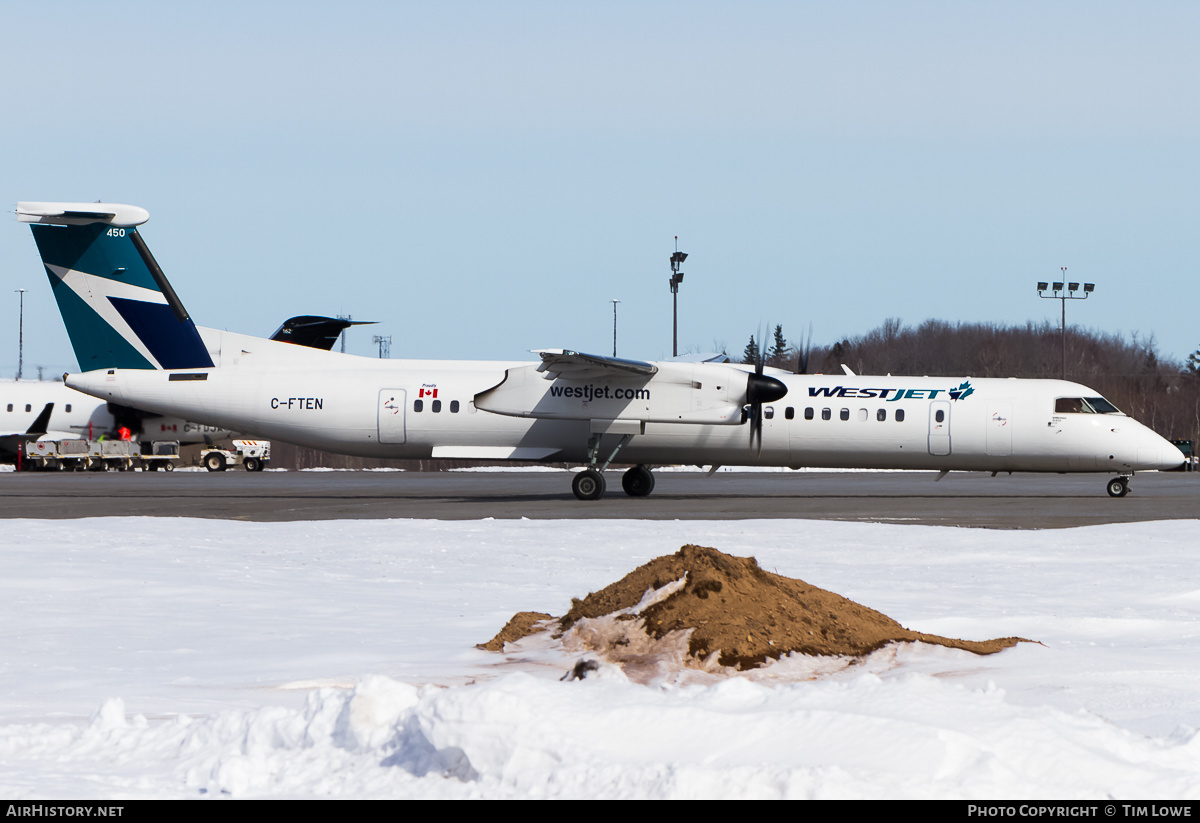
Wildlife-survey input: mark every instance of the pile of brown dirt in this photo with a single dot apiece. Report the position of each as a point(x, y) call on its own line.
point(734, 609)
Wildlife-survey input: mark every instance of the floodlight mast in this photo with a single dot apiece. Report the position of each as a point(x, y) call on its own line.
point(1064, 291)
point(21, 334)
point(676, 278)
point(615, 302)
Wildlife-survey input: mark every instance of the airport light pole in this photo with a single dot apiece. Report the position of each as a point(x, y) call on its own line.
point(676, 278)
point(1064, 294)
point(615, 302)
point(21, 334)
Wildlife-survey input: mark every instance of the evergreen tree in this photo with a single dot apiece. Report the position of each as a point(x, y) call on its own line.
point(778, 348)
point(750, 356)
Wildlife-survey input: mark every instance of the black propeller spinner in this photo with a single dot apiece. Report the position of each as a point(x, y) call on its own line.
point(761, 388)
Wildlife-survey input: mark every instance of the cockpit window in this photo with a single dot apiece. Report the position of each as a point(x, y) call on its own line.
point(1084, 405)
point(1101, 406)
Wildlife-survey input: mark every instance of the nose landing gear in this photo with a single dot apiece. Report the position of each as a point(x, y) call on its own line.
point(1118, 486)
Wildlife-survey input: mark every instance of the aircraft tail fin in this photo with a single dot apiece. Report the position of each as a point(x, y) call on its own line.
point(118, 307)
point(42, 424)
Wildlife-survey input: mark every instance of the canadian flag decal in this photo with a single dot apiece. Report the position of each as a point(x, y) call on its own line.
point(427, 393)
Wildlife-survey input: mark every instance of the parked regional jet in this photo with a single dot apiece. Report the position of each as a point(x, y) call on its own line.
point(139, 347)
point(45, 410)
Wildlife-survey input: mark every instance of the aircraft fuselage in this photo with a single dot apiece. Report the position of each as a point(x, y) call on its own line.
point(422, 409)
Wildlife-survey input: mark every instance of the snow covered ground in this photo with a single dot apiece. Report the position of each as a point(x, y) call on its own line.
point(175, 658)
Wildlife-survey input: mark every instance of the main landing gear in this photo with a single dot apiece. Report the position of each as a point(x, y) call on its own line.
point(1118, 486)
point(589, 484)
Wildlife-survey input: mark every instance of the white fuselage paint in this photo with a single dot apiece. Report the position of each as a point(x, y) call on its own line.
point(368, 407)
point(74, 415)
point(79, 415)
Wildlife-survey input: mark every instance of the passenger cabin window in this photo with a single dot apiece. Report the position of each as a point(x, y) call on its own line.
point(862, 415)
point(881, 415)
point(808, 413)
point(826, 414)
point(454, 407)
point(939, 416)
point(769, 412)
point(68, 408)
point(436, 406)
point(789, 413)
point(10, 406)
point(418, 405)
point(28, 407)
point(845, 414)
point(899, 415)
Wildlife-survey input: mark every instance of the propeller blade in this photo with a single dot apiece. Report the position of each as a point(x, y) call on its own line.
point(756, 430)
point(761, 388)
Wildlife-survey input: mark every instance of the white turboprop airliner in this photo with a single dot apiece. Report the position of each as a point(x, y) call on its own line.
point(136, 345)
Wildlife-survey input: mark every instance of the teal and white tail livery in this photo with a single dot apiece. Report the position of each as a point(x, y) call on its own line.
point(119, 309)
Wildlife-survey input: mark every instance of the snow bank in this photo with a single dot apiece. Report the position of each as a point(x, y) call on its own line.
point(175, 658)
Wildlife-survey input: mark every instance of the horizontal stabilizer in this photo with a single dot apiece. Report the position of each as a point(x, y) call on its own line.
point(81, 214)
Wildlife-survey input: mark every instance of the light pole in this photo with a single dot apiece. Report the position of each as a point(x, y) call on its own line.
point(676, 278)
point(1064, 294)
point(21, 334)
point(615, 302)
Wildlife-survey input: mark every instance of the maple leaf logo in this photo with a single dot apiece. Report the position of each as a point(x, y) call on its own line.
point(962, 392)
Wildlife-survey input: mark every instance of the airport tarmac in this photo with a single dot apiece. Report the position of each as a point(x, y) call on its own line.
point(1017, 501)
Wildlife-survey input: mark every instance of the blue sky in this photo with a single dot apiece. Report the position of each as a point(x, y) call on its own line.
point(484, 178)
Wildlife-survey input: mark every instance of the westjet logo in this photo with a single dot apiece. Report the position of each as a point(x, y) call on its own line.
point(891, 395)
point(591, 392)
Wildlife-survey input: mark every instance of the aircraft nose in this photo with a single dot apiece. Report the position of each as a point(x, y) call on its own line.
point(1156, 452)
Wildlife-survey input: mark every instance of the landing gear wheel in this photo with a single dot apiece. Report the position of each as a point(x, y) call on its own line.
point(588, 485)
point(214, 462)
point(638, 482)
point(1118, 487)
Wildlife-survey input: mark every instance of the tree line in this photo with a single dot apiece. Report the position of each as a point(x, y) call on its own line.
point(1162, 393)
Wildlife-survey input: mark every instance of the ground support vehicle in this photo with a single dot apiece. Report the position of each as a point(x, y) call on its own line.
point(99, 455)
point(253, 454)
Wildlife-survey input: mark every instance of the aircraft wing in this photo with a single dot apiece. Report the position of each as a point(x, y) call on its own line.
point(610, 391)
point(577, 365)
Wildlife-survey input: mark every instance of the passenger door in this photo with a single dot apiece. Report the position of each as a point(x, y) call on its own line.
point(392, 403)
